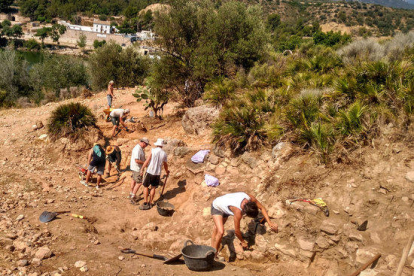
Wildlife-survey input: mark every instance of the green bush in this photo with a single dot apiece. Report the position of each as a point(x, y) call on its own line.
point(125, 66)
point(220, 91)
point(31, 44)
point(70, 120)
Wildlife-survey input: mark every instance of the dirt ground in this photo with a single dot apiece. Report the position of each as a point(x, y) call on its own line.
point(39, 175)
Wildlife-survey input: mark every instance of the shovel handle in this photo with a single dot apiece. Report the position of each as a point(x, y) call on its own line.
point(62, 212)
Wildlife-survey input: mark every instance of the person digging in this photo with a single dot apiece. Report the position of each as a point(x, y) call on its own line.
point(113, 156)
point(155, 161)
point(137, 160)
point(118, 116)
point(96, 164)
point(236, 205)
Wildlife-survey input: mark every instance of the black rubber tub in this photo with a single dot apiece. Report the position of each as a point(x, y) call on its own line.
point(198, 257)
point(165, 209)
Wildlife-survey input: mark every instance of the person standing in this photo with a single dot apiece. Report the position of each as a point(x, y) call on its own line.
point(155, 161)
point(118, 117)
point(235, 204)
point(137, 160)
point(110, 93)
point(96, 164)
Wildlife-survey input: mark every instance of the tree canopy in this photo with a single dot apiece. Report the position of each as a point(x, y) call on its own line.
point(201, 41)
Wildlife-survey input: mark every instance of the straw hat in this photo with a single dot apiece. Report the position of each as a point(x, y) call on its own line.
point(109, 149)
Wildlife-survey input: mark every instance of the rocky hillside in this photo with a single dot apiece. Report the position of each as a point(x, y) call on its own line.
point(373, 184)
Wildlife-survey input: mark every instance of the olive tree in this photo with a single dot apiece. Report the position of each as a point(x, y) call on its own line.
point(201, 41)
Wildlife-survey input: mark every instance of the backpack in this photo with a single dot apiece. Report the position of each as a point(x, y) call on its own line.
point(98, 155)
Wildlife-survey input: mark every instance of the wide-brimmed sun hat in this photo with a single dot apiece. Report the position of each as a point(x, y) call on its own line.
point(127, 111)
point(159, 143)
point(109, 149)
point(111, 82)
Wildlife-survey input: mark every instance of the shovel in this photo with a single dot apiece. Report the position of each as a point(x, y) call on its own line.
point(49, 216)
point(163, 186)
point(153, 256)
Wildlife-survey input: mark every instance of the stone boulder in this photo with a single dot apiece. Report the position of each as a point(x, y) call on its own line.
point(197, 120)
point(282, 151)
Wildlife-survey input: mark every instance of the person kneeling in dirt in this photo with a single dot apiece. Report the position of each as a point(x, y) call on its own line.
point(237, 205)
point(117, 117)
point(155, 162)
point(114, 156)
point(96, 162)
point(137, 160)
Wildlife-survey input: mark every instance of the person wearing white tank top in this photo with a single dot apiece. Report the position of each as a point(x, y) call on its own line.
point(236, 205)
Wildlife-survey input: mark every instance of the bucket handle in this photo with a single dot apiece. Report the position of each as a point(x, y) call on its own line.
point(187, 242)
point(208, 253)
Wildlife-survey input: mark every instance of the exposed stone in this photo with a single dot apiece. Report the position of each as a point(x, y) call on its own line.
point(181, 151)
point(213, 159)
point(369, 272)
point(220, 170)
point(391, 261)
point(355, 236)
point(363, 255)
point(150, 226)
point(84, 269)
point(197, 120)
point(22, 263)
point(322, 242)
point(329, 228)
point(282, 151)
point(20, 245)
point(121, 258)
point(20, 217)
point(249, 159)
point(285, 249)
point(306, 244)
point(410, 176)
point(80, 264)
point(195, 168)
point(257, 255)
point(43, 253)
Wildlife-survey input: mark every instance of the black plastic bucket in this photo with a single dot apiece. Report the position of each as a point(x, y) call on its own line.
point(198, 257)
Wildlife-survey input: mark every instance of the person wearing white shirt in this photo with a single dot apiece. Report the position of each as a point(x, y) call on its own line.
point(137, 160)
point(155, 161)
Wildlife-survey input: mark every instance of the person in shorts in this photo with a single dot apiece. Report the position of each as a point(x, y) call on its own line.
point(137, 160)
point(155, 162)
point(237, 205)
point(117, 117)
point(96, 164)
point(110, 93)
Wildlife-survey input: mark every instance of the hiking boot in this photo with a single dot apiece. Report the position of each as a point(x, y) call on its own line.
point(97, 187)
point(145, 206)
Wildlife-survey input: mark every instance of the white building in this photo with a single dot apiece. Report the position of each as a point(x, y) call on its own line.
point(98, 27)
point(101, 28)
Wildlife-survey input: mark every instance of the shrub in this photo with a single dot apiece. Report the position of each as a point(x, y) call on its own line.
point(243, 123)
point(31, 44)
point(110, 62)
point(350, 121)
point(57, 72)
point(220, 91)
point(366, 49)
point(155, 98)
point(70, 120)
point(97, 43)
